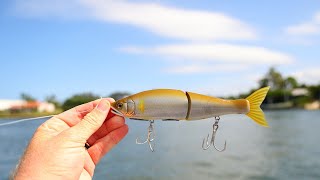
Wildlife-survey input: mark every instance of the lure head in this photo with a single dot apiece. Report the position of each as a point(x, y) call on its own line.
point(124, 107)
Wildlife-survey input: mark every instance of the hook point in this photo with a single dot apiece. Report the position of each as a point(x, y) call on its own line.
point(221, 150)
point(212, 142)
point(150, 136)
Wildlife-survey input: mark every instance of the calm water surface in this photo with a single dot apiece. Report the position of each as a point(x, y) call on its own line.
point(289, 149)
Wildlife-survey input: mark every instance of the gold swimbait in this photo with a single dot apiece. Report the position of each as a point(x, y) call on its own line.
point(169, 104)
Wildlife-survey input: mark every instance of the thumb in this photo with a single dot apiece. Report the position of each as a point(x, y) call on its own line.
point(92, 121)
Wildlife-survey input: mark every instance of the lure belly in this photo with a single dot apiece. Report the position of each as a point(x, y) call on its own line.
point(170, 104)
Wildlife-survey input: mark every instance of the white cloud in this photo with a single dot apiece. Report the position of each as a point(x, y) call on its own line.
point(178, 23)
point(309, 75)
point(208, 68)
point(317, 17)
point(172, 22)
point(225, 53)
point(303, 29)
point(310, 27)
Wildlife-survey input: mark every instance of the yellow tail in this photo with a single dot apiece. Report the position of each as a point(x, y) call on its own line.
point(255, 100)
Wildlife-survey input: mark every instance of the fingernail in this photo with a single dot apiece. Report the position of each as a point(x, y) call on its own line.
point(103, 105)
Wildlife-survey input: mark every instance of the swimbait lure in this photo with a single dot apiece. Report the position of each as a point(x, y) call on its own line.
point(170, 104)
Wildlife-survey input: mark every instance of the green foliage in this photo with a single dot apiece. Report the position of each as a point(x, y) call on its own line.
point(118, 95)
point(27, 97)
point(53, 99)
point(78, 99)
point(26, 114)
point(280, 87)
point(277, 96)
point(301, 101)
point(302, 86)
point(273, 79)
point(314, 92)
point(291, 82)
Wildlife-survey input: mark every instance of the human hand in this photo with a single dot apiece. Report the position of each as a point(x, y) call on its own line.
point(57, 149)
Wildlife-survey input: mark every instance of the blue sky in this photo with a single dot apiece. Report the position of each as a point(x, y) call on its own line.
point(213, 47)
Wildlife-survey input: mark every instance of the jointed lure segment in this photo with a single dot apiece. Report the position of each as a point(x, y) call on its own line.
point(170, 104)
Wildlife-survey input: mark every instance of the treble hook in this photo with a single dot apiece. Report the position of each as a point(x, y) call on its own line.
point(150, 137)
point(215, 129)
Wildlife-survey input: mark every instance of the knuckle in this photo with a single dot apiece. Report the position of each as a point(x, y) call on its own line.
point(93, 119)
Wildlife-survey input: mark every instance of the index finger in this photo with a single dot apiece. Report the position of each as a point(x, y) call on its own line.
point(73, 116)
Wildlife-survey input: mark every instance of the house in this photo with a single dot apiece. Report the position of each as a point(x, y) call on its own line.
point(20, 105)
point(7, 104)
point(300, 92)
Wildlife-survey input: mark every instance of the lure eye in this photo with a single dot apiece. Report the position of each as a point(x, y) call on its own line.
point(119, 106)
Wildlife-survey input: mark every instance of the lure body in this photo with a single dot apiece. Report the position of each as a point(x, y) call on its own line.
point(160, 104)
point(170, 104)
point(203, 107)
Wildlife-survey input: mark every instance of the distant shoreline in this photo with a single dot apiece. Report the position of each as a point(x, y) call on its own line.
point(9, 116)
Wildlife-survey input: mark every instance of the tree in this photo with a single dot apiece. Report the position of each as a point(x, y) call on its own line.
point(291, 82)
point(273, 79)
point(314, 92)
point(118, 95)
point(52, 99)
point(78, 99)
point(27, 97)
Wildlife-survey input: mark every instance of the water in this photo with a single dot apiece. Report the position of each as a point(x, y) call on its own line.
point(289, 149)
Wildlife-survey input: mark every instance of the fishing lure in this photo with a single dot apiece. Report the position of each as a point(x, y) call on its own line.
point(176, 105)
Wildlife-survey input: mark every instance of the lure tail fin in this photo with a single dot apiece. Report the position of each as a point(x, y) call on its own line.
point(255, 100)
